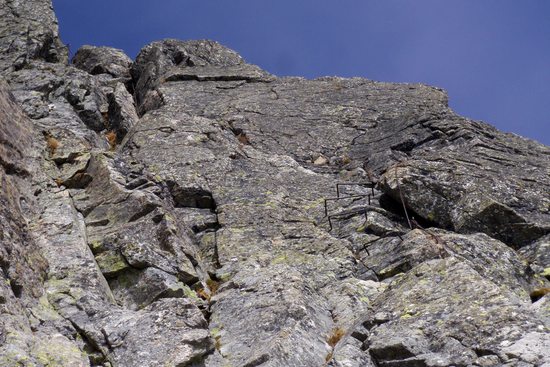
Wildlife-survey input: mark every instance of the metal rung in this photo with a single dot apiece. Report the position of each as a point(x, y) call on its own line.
point(345, 197)
point(369, 185)
point(335, 216)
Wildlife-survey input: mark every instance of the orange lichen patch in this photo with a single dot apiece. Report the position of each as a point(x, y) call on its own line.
point(538, 293)
point(243, 139)
point(52, 144)
point(111, 139)
point(335, 336)
point(203, 293)
point(207, 293)
point(213, 285)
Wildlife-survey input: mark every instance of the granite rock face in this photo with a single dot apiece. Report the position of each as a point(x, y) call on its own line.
point(103, 60)
point(190, 209)
point(29, 32)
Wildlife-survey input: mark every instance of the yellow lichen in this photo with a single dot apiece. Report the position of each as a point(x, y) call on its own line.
point(189, 293)
point(279, 260)
point(361, 228)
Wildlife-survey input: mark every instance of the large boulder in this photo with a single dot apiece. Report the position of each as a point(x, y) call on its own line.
point(103, 60)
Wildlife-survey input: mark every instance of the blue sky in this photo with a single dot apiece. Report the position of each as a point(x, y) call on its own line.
point(492, 56)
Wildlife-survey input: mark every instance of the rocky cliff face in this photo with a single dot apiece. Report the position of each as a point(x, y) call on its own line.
point(190, 209)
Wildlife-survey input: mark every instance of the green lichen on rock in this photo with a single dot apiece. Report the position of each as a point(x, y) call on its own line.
point(58, 351)
point(111, 263)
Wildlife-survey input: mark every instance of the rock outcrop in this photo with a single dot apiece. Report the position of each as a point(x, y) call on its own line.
point(190, 209)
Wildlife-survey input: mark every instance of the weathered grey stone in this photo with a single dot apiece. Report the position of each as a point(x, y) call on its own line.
point(542, 308)
point(28, 31)
point(491, 258)
point(79, 319)
point(533, 347)
point(443, 307)
point(130, 228)
point(269, 163)
point(538, 256)
point(174, 60)
point(200, 236)
point(136, 289)
point(31, 332)
point(66, 102)
point(122, 112)
point(487, 183)
point(175, 335)
point(103, 60)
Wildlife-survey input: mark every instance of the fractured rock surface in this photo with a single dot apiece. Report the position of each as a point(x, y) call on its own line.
point(172, 211)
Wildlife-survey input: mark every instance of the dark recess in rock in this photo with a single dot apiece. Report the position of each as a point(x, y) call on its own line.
point(191, 197)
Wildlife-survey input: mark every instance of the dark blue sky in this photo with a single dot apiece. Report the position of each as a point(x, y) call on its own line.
point(492, 56)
